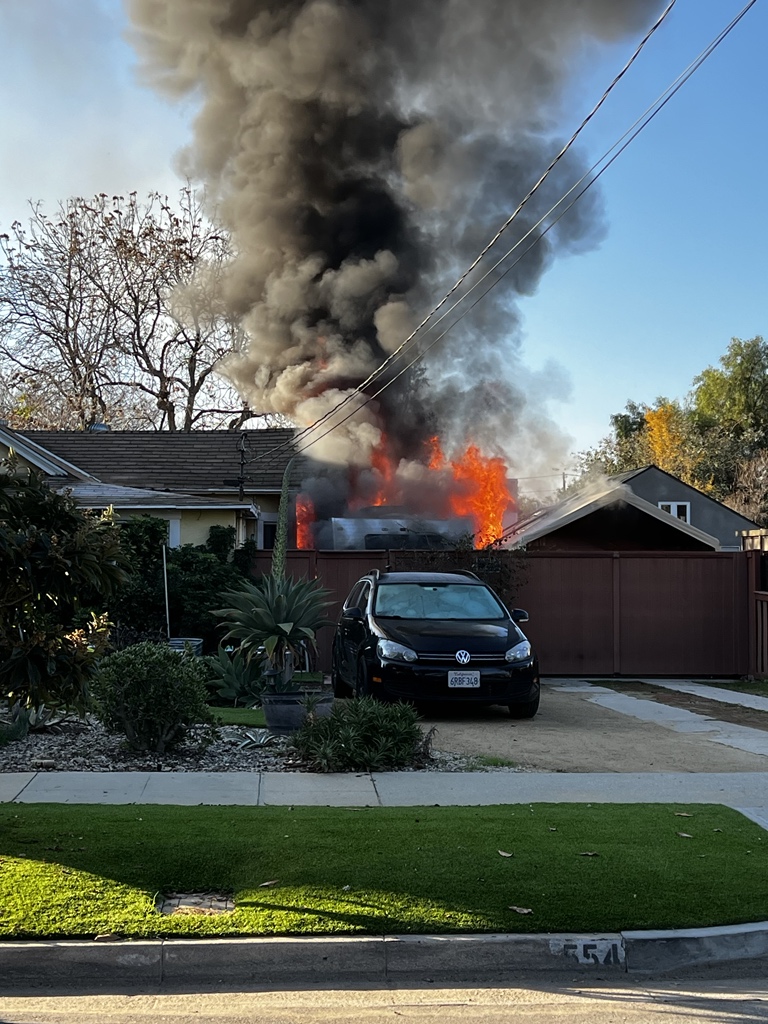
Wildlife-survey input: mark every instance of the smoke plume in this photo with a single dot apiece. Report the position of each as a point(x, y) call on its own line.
point(360, 152)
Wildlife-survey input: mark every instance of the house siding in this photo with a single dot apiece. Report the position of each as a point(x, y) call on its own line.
point(706, 514)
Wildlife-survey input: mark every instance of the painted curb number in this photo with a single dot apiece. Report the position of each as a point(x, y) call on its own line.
point(605, 952)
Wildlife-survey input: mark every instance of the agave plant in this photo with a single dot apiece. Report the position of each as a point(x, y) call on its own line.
point(236, 678)
point(275, 619)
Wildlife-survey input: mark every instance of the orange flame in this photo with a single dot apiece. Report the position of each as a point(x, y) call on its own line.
point(482, 493)
point(305, 517)
point(384, 465)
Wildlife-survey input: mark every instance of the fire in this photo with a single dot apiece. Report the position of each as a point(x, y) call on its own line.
point(482, 491)
point(384, 466)
point(305, 517)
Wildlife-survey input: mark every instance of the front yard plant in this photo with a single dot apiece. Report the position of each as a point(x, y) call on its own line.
point(362, 735)
point(60, 565)
point(153, 695)
point(70, 871)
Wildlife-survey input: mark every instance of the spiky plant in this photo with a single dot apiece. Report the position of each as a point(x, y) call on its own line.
point(273, 617)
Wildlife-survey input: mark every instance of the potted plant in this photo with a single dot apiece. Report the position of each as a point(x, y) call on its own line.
point(274, 621)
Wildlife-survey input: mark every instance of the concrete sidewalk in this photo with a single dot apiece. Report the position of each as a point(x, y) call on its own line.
point(742, 790)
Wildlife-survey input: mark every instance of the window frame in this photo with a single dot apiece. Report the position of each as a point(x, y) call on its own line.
point(673, 507)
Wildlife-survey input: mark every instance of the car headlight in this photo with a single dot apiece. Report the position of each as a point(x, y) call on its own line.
point(391, 651)
point(520, 652)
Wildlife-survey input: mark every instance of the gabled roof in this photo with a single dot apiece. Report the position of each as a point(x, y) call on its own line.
point(41, 458)
point(576, 506)
point(200, 462)
point(632, 474)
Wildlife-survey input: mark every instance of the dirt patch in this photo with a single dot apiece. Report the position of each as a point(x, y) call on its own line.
point(573, 734)
point(732, 713)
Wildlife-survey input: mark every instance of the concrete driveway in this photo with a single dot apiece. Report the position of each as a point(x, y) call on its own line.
point(575, 732)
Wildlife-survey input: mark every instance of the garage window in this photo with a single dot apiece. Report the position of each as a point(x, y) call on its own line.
point(679, 509)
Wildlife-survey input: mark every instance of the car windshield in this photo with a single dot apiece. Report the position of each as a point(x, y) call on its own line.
point(436, 601)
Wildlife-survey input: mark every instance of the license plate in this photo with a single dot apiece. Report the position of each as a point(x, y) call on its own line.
point(463, 680)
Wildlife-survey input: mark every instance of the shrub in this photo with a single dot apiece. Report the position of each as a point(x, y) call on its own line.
point(152, 695)
point(362, 735)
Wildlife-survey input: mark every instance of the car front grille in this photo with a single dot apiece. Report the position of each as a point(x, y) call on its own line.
point(475, 659)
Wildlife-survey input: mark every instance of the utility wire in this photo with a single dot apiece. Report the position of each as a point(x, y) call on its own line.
point(379, 370)
point(645, 120)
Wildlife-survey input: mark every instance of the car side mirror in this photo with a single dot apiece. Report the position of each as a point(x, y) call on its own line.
point(519, 615)
point(353, 613)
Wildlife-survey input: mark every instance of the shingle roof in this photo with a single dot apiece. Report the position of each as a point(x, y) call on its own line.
point(204, 461)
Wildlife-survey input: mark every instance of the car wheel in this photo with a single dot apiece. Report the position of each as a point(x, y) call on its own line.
point(524, 708)
point(340, 688)
point(362, 683)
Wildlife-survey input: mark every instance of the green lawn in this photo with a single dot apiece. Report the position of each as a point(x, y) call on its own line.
point(240, 716)
point(81, 870)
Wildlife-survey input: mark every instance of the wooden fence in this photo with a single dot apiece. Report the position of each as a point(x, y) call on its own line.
point(665, 613)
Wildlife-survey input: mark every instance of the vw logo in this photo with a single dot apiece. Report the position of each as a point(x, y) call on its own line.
point(462, 657)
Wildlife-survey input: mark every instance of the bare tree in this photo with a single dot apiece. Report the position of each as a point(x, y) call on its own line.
point(113, 310)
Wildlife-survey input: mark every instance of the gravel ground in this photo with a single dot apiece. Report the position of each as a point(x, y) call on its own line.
point(88, 747)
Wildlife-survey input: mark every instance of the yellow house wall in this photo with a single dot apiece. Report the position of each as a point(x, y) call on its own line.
point(268, 502)
point(195, 523)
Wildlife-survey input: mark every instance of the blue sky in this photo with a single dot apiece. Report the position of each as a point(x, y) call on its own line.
point(682, 266)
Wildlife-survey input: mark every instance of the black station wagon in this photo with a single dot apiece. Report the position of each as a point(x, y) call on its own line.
point(434, 636)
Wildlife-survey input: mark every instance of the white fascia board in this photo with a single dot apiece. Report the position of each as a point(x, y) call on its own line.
point(40, 457)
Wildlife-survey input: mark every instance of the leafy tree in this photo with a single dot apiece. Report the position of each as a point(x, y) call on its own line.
point(111, 309)
point(735, 396)
point(60, 565)
point(715, 441)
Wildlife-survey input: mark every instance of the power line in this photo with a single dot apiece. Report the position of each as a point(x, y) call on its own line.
point(379, 370)
point(629, 137)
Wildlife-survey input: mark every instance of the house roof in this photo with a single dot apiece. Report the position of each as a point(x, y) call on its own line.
point(94, 494)
point(575, 507)
point(46, 461)
point(632, 474)
point(200, 462)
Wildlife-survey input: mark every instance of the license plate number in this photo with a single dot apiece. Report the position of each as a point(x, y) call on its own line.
point(463, 680)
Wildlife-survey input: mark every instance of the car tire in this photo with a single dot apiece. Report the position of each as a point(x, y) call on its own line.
point(524, 708)
point(340, 688)
point(362, 682)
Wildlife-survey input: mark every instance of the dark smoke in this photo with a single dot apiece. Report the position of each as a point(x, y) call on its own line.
point(361, 152)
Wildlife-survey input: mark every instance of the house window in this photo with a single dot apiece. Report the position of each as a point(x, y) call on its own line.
point(679, 509)
point(267, 529)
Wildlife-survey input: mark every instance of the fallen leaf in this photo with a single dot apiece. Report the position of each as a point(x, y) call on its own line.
point(521, 910)
point(503, 853)
point(589, 853)
point(682, 814)
point(265, 885)
point(684, 835)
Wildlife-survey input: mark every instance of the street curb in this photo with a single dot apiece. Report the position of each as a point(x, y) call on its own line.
point(202, 962)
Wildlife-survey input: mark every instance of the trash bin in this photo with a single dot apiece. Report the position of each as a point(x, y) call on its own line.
point(179, 643)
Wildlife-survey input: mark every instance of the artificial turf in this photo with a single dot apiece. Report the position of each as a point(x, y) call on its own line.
point(74, 870)
point(240, 716)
